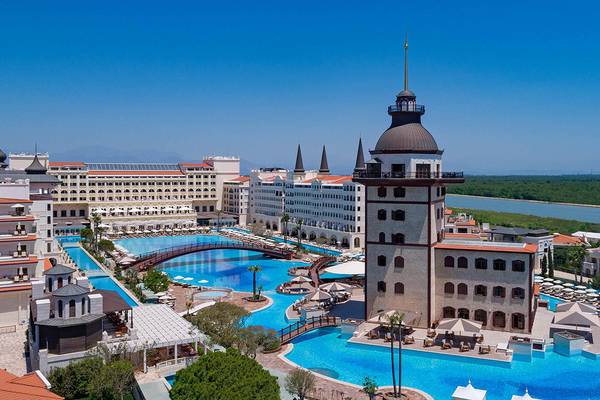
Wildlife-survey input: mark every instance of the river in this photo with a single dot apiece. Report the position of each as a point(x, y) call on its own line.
point(540, 209)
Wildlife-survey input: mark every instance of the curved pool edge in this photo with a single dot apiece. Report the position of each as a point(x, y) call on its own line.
point(290, 348)
point(270, 302)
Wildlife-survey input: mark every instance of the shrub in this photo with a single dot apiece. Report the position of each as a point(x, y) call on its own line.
point(222, 322)
point(156, 281)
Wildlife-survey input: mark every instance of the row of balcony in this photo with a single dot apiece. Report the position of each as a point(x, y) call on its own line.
point(407, 175)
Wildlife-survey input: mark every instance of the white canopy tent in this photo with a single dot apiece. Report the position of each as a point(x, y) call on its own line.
point(459, 325)
point(526, 396)
point(348, 268)
point(468, 393)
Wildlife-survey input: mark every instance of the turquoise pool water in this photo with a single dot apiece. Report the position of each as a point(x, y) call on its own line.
point(553, 377)
point(225, 268)
point(309, 247)
point(552, 301)
point(170, 379)
point(98, 279)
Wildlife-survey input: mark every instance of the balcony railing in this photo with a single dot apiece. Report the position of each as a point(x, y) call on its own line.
point(406, 108)
point(407, 175)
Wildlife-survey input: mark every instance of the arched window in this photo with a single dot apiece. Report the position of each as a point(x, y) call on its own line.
point(49, 284)
point(60, 309)
point(398, 238)
point(499, 265)
point(381, 237)
point(463, 313)
point(518, 321)
point(449, 288)
point(89, 307)
point(60, 282)
point(463, 262)
point(398, 215)
point(381, 260)
point(382, 191)
point(499, 291)
point(462, 289)
point(481, 316)
point(449, 262)
point(480, 263)
point(71, 308)
point(356, 242)
point(83, 306)
point(398, 288)
point(381, 214)
point(448, 312)
point(518, 293)
point(499, 319)
point(381, 287)
point(480, 290)
point(518, 266)
point(399, 192)
point(398, 262)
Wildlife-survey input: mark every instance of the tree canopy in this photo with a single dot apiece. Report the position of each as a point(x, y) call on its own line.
point(224, 376)
point(222, 322)
point(156, 281)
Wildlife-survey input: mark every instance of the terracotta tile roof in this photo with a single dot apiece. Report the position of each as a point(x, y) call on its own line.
point(29, 260)
point(47, 264)
point(448, 211)
point(565, 240)
point(136, 173)
point(470, 222)
point(528, 248)
point(8, 200)
point(242, 179)
point(27, 238)
point(66, 164)
point(196, 165)
point(10, 218)
point(15, 288)
point(330, 179)
point(27, 387)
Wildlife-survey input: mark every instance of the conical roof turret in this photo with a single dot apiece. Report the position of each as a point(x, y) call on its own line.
point(324, 167)
point(299, 167)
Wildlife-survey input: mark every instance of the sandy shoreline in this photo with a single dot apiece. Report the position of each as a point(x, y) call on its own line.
point(527, 201)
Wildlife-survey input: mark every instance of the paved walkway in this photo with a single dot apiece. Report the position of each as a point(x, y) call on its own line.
point(12, 351)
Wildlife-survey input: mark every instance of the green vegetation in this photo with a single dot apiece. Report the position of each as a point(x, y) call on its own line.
point(530, 221)
point(91, 378)
point(106, 245)
point(300, 382)
point(370, 387)
point(579, 189)
point(254, 269)
point(225, 376)
point(156, 281)
point(222, 322)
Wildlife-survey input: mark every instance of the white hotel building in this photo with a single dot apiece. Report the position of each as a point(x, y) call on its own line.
point(140, 195)
point(330, 206)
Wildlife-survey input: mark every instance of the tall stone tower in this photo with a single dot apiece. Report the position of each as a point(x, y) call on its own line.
point(405, 191)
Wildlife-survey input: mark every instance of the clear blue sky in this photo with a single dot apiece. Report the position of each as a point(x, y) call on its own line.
point(509, 87)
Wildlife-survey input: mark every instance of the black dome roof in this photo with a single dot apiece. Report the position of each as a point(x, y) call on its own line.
point(2, 156)
point(35, 167)
point(411, 137)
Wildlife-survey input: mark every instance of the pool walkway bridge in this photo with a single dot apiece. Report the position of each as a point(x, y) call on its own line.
point(320, 264)
point(148, 260)
point(296, 329)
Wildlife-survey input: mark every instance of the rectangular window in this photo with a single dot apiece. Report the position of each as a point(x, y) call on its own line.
point(48, 220)
point(72, 213)
point(63, 213)
point(423, 171)
point(82, 213)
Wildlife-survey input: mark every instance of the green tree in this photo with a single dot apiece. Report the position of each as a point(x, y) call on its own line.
point(551, 263)
point(87, 235)
point(254, 269)
point(575, 256)
point(370, 387)
point(156, 281)
point(96, 220)
point(544, 265)
point(222, 322)
point(300, 382)
point(395, 321)
point(106, 245)
point(113, 381)
point(595, 283)
point(299, 224)
point(285, 219)
point(224, 376)
point(72, 381)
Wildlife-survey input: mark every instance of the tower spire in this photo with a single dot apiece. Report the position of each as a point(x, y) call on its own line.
point(406, 63)
point(324, 168)
point(360, 158)
point(299, 168)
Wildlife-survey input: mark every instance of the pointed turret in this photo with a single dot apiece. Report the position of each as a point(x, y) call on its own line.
point(299, 168)
point(360, 158)
point(3, 164)
point(36, 167)
point(324, 168)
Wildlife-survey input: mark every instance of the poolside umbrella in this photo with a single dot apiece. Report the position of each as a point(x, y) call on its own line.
point(568, 285)
point(592, 295)
point(591, 290)
point(548, 279)
point(567, 290)
point(575, 317)
point(188, 279)
point(318, 295)
point(335, 287)
point(126, 260)
point(203, 281)
point(557, 287)
point(301, 279)
point(580, 291)
point(538, 279)
point(383, 317)
point(459, 325)
point(178, 277)
point(557, 281)
point(546, 284)
point(580, 287)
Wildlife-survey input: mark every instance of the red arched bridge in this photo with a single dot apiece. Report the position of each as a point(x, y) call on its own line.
point(150, 259)
point(296, 329)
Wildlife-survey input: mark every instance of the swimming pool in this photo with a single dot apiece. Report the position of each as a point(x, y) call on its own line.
point(309, 247)
point(552, 301)
point(553, 377)
point(225, 268)
point(98, 277)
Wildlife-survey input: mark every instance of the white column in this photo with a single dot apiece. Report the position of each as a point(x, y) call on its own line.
point(175, 354)
point(145, 365)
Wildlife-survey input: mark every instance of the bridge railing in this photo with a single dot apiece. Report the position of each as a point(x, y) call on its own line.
point(213, 245)
point(291, 331)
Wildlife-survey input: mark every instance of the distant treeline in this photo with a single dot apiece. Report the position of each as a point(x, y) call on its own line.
point(580, 189)
point(529, 221)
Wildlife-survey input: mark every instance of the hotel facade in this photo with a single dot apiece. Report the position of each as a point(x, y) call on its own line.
point(330, 207)
point(411, 266)
point(140, 195)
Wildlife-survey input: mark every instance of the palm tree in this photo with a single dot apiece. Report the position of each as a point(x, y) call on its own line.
point(299, 224)
point(285, 218)
point(254, 269)
point(96, 220)
point(219, 212)
point(395, 319)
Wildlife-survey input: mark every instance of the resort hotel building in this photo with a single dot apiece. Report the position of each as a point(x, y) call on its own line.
point(319, 206)
point(140, 195)
point(412, 266)
point(26, 234)
point(236, 193)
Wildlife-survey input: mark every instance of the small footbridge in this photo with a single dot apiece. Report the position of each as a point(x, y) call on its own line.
point(150, 259)
point(292, 331)
point(315, 269)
